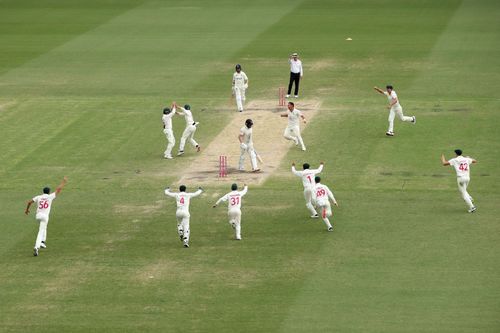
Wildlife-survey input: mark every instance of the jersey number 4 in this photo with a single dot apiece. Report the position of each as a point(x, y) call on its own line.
point(463, 167)
point(43, 204)
point(182, 200)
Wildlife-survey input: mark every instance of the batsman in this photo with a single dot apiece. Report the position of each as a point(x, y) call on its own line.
point(246, 146)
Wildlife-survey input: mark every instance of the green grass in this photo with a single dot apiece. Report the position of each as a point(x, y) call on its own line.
point(82, 85)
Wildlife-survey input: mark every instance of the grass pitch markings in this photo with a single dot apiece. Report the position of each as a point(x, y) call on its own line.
point(268, 141)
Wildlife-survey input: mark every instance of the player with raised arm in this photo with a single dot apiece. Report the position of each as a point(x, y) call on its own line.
point(239, 86)
point(183, 199)
point(322, 196)
point(234, 199)
point(44, 204)
point(246, 146)
point(307, 176)
point(394, 109)
point(292, 131)
point(462, 168)
point(189, 130)
point(168, 114)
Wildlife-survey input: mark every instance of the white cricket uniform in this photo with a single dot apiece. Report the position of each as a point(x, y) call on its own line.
point(396, 109)
point(182, 214)
point(189, 130)
point(44, 204)
point(292, 131)
point(240, 84)
point(462, 168)
point(169, 133)
point(322, 194)
point(296, 66)
point(248, 141)
point(307, 176)
point(234, 199)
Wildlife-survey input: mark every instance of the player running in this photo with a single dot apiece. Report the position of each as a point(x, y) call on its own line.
point(246, 146)
point(189, 130)
point(168, 113)
point(234, 199)
point(395, 109)
point(462, 167)
point(307, 176)
point(44, 204)
point(182, 214)
point(292, 131)
point(240, 84)
point(322, 195)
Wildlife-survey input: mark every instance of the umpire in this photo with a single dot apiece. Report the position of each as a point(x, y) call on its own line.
point(296, 74)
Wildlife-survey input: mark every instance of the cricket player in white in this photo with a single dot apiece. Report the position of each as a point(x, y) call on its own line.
point(189, 130)
point(462, 167)
point(246, 146)
point(240, 84)
point(168, 113)
point(292, 131)
point(394, 109)
point(182, 214)
point(322, 196)
point(307, 176)
point(44, 204)
point(233, 199)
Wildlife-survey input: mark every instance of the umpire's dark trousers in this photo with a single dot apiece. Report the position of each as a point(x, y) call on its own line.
point(294, 77)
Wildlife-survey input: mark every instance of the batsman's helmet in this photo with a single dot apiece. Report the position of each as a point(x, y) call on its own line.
point(234, 187)
point(249, 123)
point(46, 190)
point(187, 107)
point(166, 110)
point(238, 67)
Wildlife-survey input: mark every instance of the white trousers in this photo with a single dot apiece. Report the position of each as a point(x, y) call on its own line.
point(171, 141)
point(239, 95)
point(463, 182)
point(188, 134)
point(253, 158)
point(183, 224)
point(392, 114)
point(234, 215)
point(326, 212)
point(43, 221)
point(293, 133)
point(308, 197)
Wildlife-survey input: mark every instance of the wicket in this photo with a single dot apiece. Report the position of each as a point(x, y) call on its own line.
point(222, 166)
point(281, 95)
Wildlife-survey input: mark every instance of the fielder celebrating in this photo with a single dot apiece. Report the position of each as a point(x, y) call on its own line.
point(182, 214)
point(292, 132)
point(44, 204)
point(323, 195)
point(189, 130)
point(168, 113)
point(234, 207)
point(307, 176)
point(394, 109)
point(240, 84)
point(462, 167)
point(246, 145)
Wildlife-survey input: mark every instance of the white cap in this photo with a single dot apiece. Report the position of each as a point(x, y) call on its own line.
point(294, 54)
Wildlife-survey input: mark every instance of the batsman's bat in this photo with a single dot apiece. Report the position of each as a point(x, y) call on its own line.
point(258, 157)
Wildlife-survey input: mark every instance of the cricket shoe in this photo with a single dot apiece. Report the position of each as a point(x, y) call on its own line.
point(296, 96)
point(287, 96)
point(472, 210)
point(186, 244)
point(198, 148)
point(168, 157)
point(315, 216)
point(389, 133)
point(35, 252)
point(43, 245)
point(330, 229)
point(414, 120)
point(256, 170)
point(181, 152)
point(303, 148)
point(238, 238)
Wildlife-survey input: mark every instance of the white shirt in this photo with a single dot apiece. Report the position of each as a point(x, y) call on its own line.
point(461, 165)
point(182, 198)
point(233, 198)
point(307, 175)
point(294, 117)
point(391, 97)
point(247, 135)
point(44, 203)
point(167, 119)
point(188, 116)
point(239, 79)
point(296, 66)
point(321, 194)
